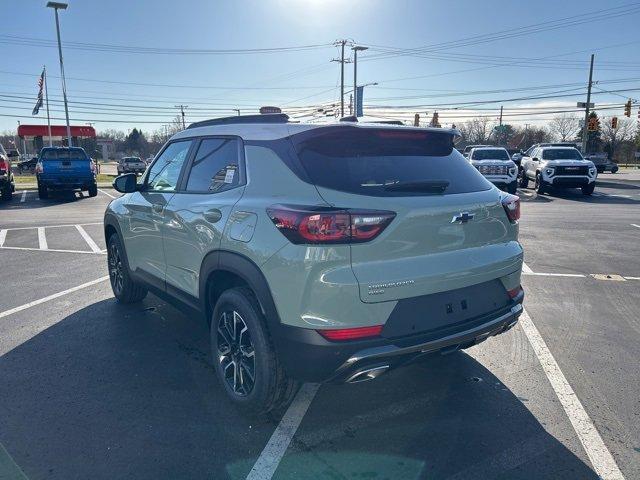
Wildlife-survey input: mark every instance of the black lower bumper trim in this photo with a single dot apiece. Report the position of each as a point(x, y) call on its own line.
point(308, 357)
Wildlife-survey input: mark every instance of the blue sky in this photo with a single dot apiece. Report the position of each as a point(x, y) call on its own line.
point(381, 24)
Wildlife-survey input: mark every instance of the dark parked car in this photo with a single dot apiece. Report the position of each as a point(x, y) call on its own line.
point(28, 165)
point(64, 168)
point(7, 185)
point(602, 162)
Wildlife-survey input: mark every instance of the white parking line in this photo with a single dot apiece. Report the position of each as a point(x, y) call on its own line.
point(600, 457)
point(24, 196)
point(3, 236)
point(56, 226)
point(51, 297)
point(42, 239)
point(92, 245)
point(107, 194)
point(29, 249)
point(525, 269)
point(634, 225)
point(540, 274)
point(276, 447)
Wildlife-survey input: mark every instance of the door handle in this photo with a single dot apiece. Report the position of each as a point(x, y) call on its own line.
point(213, 215)
point(157, 207)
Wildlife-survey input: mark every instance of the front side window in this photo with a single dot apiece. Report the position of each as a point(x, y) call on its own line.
point(215, 167)
point(165, 172)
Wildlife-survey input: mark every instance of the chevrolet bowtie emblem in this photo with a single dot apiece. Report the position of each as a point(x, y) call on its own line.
point(462, 217)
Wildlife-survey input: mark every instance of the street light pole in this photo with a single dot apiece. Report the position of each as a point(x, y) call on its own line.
point(356, 49)
point(62, 6)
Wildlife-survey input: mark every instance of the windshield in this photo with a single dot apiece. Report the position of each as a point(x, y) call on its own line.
point(132, 160)
point(490, 154)
point(561, 154)
point(64, 154)
point(371, 161)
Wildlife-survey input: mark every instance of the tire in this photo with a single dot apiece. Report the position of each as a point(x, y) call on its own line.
point(7, 193)
point(524, 181)
point(93, 190)
point(540, 185)
point(513, 187)
point(588, 189)
point(241, 345)
point(125, 289)
point(614, 169)
point(42, 191)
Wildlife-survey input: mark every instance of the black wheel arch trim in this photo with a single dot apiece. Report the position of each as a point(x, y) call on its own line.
point(246, 269)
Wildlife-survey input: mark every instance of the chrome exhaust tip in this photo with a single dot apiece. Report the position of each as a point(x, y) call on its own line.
point(367, 374)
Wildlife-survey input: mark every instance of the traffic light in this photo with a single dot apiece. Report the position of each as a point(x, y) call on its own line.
point(592, 126)
point(614, 122)
point(627, 108)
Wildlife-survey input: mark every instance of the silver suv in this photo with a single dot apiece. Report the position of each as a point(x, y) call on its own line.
point(558, 167)
point(318, 252)
point(496, 166)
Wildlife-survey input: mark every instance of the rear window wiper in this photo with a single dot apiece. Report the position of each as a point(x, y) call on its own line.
point(426, 186)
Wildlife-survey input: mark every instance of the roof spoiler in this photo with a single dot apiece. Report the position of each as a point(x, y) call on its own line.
point(239, 119)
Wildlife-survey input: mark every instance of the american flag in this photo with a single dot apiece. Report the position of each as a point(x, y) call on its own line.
point(36, 109)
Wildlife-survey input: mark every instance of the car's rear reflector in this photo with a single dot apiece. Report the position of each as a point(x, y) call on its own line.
point(304, 225)
point(511, 204)
point(342, 334)
point(514, 292)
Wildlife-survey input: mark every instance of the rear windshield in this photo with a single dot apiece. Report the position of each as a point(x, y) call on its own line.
point(561, 154)
point(385, 162)
point(66, 154)
point(490, 154)
point(132, 160)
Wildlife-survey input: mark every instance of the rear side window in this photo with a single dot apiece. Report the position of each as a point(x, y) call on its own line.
point(386, 162)
point(215, 167)
point(493, 154)
point(561, 154)
point(64, 154)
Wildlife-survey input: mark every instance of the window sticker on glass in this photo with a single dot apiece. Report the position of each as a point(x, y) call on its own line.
point(228, 178)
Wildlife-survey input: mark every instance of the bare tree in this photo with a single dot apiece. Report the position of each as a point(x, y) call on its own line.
point(624, 131)
point(477, 130)
point(564, 126)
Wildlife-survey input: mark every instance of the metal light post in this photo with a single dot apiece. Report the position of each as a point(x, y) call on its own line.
point(356, 49)
point(62, 6)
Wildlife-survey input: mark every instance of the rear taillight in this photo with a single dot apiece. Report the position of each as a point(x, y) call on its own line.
point(511, 204)
point(38, 167)
point(4, 167)
point(93, 167)
point(302, 225)
point(342, 334)
point(514, 292)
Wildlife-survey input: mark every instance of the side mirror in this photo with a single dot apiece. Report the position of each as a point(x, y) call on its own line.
point(126, 183)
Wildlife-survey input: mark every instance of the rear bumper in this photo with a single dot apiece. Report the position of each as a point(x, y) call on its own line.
point(500, 180)
point(307, 356)
point(66, 183)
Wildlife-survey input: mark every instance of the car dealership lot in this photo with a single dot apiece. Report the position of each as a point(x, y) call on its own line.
point(94, 389)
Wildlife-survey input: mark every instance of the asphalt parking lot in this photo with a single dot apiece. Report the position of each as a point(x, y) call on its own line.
point(94, 389)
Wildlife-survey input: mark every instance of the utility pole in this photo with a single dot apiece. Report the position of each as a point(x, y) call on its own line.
point(501, 136)
point(585, 129)
point(182, 107)
point(342, 61)
point(62, 6)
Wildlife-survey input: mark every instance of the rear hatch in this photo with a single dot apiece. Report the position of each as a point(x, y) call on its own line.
point(66, 163)
point(450, 229)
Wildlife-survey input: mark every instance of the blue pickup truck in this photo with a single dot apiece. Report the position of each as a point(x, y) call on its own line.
point(63, 168)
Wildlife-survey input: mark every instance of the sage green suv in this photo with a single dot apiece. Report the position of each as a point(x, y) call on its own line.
point(318, 252)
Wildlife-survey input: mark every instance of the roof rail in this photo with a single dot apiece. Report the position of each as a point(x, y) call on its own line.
point(260, 118)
